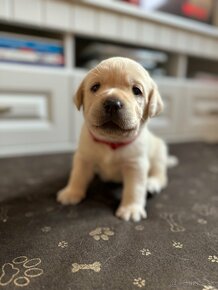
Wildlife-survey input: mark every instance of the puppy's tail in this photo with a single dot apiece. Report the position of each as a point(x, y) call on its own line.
point(172, 161)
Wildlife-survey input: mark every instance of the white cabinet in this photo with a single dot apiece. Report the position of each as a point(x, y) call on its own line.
point(37, 114)
point(34, 109)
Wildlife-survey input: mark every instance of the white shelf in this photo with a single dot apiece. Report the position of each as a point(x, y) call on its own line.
point(159, 17)
point(34, 68)
point(112, 20)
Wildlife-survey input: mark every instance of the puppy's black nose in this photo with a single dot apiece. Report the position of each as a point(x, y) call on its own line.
point(112, 106)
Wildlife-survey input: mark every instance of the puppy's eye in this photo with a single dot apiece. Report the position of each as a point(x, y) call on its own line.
point(136, 91)
point(95, 87)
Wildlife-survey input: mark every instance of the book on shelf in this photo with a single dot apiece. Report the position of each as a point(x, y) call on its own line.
point(135, 2)
point(31, 50)
point(33, 57)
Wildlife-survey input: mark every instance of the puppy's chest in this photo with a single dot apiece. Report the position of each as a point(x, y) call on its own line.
point(108, 167)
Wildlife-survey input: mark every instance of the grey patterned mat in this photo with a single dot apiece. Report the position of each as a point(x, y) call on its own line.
point(46, 246)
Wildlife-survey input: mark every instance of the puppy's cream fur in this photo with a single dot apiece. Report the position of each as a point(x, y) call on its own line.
point(142, 164)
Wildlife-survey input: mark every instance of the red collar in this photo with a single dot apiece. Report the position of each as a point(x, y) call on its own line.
point(112, 145)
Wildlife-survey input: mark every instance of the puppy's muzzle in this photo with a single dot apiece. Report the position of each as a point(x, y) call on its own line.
point(113, 116)
point(112, 106)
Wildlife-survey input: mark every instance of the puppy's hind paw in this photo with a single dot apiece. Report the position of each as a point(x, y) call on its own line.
point(67, 196)
point(131, 212)
point(153, 185)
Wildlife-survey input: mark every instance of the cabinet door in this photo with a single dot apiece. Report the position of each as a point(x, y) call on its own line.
point(33, 107)
point(202, 111)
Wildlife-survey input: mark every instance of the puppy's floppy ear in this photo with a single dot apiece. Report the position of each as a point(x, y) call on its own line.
point(155, 103)
point(78, 97)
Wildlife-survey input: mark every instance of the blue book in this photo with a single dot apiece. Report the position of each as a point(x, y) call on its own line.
point(36, 44)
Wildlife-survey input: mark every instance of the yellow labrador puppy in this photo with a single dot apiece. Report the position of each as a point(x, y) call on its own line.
point(118, 97)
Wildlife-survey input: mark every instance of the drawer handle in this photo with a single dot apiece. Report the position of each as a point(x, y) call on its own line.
point(208, 113)
point(213, 112)
point(5, 109)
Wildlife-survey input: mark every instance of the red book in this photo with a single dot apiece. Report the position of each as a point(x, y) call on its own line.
point(135, 2)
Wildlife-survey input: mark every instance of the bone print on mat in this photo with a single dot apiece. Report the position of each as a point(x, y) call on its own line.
point(96, 267)
point(170, 218)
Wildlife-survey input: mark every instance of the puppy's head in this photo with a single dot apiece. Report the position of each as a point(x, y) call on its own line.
point(118, 96)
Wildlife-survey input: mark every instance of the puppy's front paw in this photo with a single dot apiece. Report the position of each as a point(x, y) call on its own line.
point(131, 212)
point(68, 196)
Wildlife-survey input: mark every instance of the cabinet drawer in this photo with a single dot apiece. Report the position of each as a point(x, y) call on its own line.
point(20, 110)
point(33, 107)
point(202, 106)
point(202, 111)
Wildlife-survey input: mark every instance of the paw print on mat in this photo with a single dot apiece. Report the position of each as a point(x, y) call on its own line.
point(101, 233)
point(26, 268)
point(177, 245)
point(46, 229)
point(202, 221)
point(139, 282)
point(145, 252)
point(213, 259)
point(209, 288)
point(63, 244)
point(139, 227)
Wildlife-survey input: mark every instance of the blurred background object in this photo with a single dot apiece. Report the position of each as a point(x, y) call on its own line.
point(201, 10)
point(47, 47)
point(95, 52)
